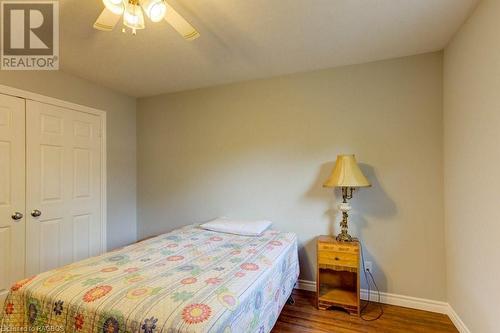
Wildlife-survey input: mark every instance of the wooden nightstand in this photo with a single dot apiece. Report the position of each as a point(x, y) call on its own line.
point(337, 282)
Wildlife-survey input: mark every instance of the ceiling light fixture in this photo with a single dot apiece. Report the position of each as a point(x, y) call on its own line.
point(133, 16)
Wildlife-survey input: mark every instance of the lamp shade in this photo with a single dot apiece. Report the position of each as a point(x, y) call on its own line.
point(155, 9)
point(115, 6)
point(133, 17)
point(346, 173)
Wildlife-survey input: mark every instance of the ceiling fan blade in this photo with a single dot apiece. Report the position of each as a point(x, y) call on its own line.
point(106, 21)
point(180, 24)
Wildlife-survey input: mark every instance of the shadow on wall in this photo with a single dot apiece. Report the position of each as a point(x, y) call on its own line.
point(378, 274)
point(367, 202)
point(307, 260)
point(373, 202)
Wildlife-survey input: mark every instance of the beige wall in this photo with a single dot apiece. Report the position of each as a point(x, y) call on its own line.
point(121, 140)
point(472, 164)
point(262, 149)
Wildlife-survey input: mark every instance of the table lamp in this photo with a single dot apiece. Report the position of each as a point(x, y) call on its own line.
point(348, 176)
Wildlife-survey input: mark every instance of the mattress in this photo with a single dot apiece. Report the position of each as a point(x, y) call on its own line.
point(188, 280)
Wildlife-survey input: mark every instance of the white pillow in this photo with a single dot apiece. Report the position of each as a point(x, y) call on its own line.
point(237, 227)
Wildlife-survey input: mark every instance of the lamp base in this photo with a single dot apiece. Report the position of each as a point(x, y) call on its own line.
point(344, 207)
point(343, 237)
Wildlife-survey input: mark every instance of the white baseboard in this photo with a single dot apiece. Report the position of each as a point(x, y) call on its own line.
point(306, 285)
point(404, 301)
point(459, 324)
point(407, 301)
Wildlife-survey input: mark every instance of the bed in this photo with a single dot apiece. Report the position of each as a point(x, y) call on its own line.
point(188, 280)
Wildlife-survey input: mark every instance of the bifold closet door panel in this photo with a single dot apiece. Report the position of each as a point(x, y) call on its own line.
point(63, 186)
point(12, 192)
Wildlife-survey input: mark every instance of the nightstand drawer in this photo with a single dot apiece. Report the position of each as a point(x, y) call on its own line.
point(338, 259)
point(338, 248)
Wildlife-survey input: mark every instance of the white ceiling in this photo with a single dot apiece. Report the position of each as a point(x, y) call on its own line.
point(248, 39)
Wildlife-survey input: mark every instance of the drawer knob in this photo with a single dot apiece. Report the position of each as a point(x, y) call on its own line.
point(337, 258)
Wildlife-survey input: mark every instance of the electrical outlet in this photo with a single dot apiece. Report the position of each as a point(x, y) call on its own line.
point(369, 266)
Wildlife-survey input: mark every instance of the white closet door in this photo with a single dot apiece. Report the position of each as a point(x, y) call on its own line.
point(12, 192)
point(63, 186)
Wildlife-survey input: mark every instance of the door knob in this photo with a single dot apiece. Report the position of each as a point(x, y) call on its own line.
point(17, 216)
point(36, 213)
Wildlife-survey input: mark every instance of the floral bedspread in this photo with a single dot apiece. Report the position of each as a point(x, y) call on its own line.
point(189, 280)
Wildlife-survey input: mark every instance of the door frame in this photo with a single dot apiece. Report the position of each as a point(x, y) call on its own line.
point(6, 90)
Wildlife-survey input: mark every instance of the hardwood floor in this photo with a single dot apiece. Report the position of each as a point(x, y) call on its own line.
point(303, 317)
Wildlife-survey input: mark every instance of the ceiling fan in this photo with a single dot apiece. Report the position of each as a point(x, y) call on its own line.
point(133, 16)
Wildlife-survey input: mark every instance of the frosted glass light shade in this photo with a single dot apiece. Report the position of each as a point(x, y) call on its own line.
point(346, 173)
point(114, 6)
point(154, 9)
point(133, 17)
